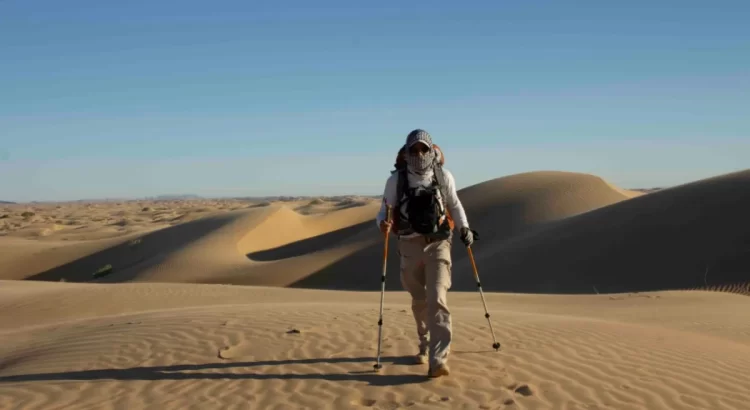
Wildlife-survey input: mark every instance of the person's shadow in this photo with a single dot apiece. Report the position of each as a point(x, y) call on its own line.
point(175, 372)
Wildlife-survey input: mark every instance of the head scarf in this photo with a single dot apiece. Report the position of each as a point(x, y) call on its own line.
point(419, 162)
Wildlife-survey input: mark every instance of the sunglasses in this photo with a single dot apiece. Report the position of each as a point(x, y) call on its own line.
point(419, 148)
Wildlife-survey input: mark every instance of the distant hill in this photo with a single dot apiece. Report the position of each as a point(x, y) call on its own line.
point(173, 197)
point(290, 198)
point(6, 202)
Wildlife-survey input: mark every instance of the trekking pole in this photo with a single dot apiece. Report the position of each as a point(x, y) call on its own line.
point(495, 344)
point(377, 365)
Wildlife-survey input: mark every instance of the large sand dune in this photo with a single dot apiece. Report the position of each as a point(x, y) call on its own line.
point(39, 237)
point(691, 236)
point(504, 207)
point(214, 249)
point(584, 235)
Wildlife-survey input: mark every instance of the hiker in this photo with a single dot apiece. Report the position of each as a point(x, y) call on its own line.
point(423, 220)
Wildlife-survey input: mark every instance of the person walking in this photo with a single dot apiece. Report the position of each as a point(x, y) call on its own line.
point(425, 211)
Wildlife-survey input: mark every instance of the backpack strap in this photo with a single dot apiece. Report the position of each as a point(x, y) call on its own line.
point(443, 186)
point(440, 179)
point(401, 185)
point(400, 158)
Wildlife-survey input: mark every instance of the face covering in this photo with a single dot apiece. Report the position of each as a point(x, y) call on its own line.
point(420, 162)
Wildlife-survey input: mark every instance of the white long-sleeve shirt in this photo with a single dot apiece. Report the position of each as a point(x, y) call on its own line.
point(453, 203)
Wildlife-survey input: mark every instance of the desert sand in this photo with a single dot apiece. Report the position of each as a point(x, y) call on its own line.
point(631, 300)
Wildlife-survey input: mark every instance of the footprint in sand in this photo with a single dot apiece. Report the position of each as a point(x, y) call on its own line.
point(233, 352)
point(380, 404)
point(523, 390)
point(364, 402)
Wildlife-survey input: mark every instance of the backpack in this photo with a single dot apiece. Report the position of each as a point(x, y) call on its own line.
point(433, 218)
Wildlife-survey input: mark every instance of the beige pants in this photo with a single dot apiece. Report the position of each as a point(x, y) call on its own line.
point(426, 275)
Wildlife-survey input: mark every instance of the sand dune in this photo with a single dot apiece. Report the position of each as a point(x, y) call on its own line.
point(220, 248)
point(324, 243)
point(690, 236)
point(320, 205)
point(23, 259)
point(583, 236)
point(198, 346)
point(84, 229)
point(504, 207)
point(543, 232)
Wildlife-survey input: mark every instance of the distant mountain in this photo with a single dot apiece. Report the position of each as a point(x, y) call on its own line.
point(173, 197)
point(287, 198)
point(6, 202)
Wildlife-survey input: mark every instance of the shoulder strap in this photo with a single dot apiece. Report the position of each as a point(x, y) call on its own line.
point(400, 160)
point(440, 177)
point(400, 185)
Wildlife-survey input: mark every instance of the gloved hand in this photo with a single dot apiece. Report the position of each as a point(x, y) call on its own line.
point(468, 236)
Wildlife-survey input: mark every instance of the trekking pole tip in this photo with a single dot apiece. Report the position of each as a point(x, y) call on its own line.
point(496, 346)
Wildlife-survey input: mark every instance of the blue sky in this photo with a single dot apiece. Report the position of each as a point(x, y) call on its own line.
point(231, 98)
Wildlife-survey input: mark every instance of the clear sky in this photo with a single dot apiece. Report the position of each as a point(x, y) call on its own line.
point(230, 98)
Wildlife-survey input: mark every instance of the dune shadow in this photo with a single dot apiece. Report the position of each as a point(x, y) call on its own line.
point(311, 245)
point(339, 206)
point(127, 256)
point(687, 237)
point(192, 372)
point(360, 271)
point(260, 204)
point(662, 241)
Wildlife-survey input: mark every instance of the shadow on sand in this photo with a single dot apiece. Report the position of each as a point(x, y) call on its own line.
point(317, 243)
point(175, 372)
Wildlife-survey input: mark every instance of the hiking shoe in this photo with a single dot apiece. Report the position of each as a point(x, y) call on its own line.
point(421, 358)
point(439, 370)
